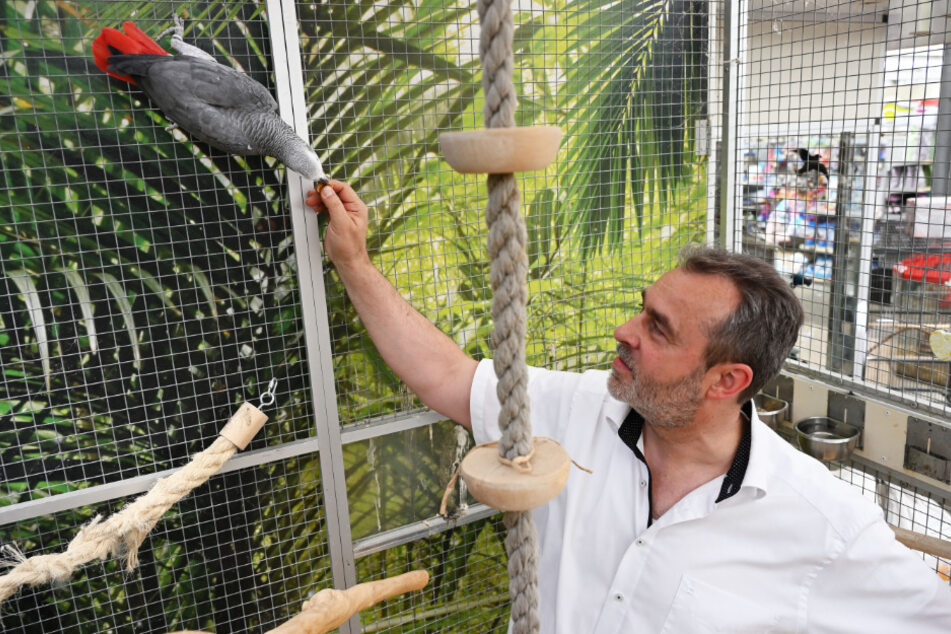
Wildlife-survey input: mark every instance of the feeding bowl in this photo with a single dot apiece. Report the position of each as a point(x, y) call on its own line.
point(826, 438)
point(770, 410)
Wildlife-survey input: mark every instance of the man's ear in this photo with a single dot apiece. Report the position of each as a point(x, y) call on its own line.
point(727, 380)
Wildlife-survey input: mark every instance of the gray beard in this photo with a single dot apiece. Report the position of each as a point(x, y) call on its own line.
point(672, 404)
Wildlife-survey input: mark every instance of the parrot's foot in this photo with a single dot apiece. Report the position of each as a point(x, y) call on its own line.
point(177, 30)
point(178, 43)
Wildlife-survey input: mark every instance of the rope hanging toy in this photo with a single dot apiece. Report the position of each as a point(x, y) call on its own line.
point(522, 472)
point(125, 531)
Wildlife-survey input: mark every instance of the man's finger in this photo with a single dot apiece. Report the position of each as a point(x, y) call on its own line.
point(345, 192)
point(333, 203)
point(313, 200)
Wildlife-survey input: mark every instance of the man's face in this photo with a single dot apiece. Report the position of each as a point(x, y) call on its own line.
point(660, 370)
point(664, 404)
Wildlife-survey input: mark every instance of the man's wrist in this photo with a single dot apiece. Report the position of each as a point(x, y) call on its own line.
point(354, 266)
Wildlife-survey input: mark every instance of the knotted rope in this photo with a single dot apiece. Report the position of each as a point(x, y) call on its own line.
point(124, 532)
point(509, 266)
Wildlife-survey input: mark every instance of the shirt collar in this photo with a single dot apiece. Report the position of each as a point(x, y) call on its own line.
point(762, 453)
point(736, 476)
point(615, 411)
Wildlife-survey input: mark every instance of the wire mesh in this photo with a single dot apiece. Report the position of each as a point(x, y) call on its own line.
point(838, 142)
point(240, 554)
point(383, 82)
point(468, 588)
point(905, 504)
point(148, 283)
point(398, 479)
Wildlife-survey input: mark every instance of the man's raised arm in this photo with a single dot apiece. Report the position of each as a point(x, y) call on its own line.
point(426, 359)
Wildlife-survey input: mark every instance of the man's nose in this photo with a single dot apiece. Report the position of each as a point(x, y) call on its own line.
point(627, 332)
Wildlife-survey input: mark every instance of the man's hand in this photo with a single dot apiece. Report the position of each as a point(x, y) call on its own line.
point(428, 361)
point(345, 239)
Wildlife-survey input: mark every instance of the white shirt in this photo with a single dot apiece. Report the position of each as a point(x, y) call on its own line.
point(794, 550)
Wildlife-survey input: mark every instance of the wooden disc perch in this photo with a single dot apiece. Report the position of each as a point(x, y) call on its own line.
point(508, 488)
point(501, 150)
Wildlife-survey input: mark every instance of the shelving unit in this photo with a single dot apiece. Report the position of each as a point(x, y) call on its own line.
point(907, 150)
point(799, 234)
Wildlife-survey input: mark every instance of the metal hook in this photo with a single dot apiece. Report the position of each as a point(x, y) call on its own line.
point(267, 397)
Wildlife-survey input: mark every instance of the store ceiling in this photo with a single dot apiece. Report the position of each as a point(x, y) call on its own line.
point(911, 23)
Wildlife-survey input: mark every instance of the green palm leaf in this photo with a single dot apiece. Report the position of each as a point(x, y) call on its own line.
point(631, 97)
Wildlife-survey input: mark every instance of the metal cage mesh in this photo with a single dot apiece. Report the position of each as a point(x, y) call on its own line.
point(150, 284)
point(240, 554)
point(905, 504)
point(837, 135)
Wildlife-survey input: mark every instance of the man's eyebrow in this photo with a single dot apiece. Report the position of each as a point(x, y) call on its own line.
point(662, 320)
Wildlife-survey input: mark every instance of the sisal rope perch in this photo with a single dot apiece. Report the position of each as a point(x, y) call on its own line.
point(124, 532)
point(508, 272)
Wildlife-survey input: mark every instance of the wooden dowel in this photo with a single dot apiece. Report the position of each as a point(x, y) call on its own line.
point(925, 543)
point(329, 608)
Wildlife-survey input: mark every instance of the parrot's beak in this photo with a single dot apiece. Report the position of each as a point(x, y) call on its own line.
point(323, 180)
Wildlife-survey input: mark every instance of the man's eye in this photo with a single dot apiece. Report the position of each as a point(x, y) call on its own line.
point(655, 328)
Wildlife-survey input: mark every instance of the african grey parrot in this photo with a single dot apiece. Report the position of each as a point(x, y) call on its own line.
point(214, 103)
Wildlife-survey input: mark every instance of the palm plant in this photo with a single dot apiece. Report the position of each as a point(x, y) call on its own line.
point(148, 289)
point(149, 283)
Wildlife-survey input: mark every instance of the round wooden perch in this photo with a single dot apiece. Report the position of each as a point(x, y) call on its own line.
point(508, 488)
point(501, 150)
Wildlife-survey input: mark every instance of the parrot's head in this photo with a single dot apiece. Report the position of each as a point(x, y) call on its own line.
point(303, 160)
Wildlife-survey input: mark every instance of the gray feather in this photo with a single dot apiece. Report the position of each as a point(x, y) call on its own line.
point(220, 106)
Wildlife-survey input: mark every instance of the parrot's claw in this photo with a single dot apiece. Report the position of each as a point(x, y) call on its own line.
point(177, 31)
point(179, 45)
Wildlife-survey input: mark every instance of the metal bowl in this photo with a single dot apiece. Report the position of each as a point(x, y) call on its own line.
point(826, 438)
point(771, 410)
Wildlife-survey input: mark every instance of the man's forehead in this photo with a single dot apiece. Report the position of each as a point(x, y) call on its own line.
point(692, 298)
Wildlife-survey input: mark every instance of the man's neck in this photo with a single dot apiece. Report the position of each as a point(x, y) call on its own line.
point(684, 458)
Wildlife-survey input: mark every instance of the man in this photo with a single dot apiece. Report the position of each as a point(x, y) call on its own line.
point(697, 517)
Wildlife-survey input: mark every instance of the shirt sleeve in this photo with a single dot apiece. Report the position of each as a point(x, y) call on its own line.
point(878, 585)
point(550, 393)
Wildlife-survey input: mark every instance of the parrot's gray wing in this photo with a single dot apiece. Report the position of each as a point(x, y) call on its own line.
point(215, 103)
point(218, 85)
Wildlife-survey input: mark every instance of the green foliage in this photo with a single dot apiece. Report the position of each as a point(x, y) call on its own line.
point(148, 284)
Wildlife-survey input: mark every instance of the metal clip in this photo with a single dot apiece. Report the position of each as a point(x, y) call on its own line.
point(267, 398)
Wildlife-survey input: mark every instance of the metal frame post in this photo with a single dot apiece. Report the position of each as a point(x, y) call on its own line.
point(713, 122)
point(941, 166)
point(873, 203)
point(733, 31)
point(288, 75)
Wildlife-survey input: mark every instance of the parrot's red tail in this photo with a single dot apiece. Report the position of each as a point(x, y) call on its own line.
point(114, 42)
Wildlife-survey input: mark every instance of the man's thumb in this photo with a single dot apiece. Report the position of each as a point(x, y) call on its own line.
point(332, 201)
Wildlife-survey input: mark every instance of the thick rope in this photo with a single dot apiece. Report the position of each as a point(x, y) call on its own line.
point(123, 533)
point(509, 268)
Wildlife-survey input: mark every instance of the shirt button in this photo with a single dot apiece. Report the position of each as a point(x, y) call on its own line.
point(618, 597)
point(643, 483)
point(639, 541)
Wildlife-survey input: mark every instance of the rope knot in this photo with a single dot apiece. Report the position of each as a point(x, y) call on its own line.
point(522, 464)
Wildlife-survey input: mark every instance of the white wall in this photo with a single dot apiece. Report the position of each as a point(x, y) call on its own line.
point(798, 73)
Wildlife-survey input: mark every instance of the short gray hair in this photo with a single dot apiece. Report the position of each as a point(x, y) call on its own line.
point(763, 328)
